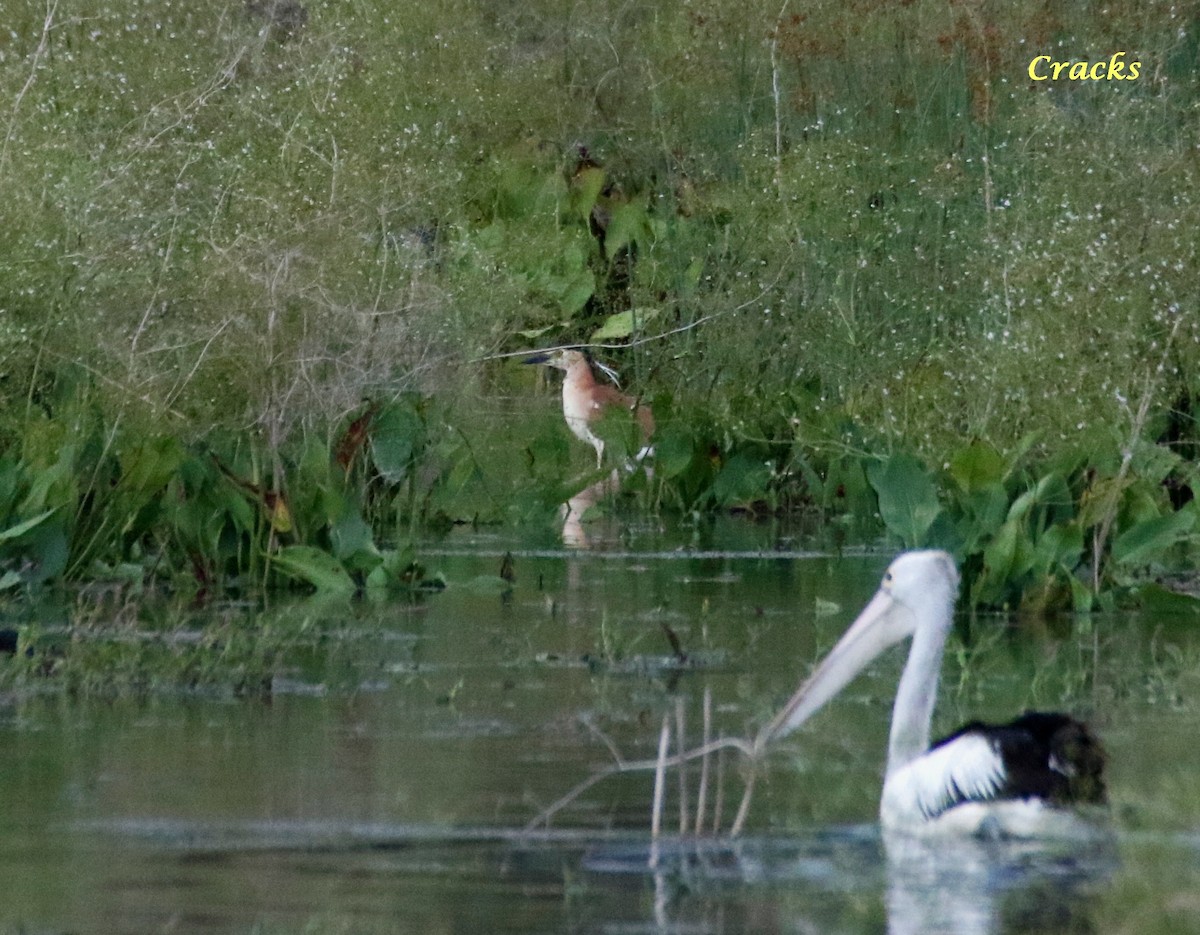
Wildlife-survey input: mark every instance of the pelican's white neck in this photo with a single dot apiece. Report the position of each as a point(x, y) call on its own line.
point(917, 692)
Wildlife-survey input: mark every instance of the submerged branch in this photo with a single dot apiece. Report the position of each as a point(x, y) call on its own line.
point(632, 766)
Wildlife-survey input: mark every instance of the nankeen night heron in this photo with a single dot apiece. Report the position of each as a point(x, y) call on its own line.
point(585, 401)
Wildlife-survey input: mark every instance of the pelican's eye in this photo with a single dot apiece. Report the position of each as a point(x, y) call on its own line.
point(887, 577)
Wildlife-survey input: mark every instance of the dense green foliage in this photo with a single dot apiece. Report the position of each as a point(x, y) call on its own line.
point(259, 261)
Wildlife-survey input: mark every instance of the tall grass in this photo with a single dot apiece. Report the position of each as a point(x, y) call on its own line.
point(856, 227)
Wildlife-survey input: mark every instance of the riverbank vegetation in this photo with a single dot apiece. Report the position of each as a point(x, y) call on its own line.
point(262, 263)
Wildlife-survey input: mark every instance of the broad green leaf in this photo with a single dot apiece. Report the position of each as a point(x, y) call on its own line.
point(1145, 541)
point(314, 464)
point(15, 532)
point(629, 223)
point(534, 333)
point(1000, 563)
point(573, 293)
point(397, 435)
point(623, 324)
point(1159, 600)
point(147, 467)
point(350, 534)
point(980, 514)
point(1152, 463)
point(908, 500)
point(1081, 596)
point(743, 477)
point(1051, 490)
point(378, 578)
point(47, 549)
point(1059, 546)
point(318, 568)
point(549, 452)
point(978, 466)
point(586, 186)
point(847, 488)
point(943, 533)
point(56, 479)
point(673, 450)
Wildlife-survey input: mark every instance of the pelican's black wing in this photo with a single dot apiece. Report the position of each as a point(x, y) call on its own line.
point(1044, 755)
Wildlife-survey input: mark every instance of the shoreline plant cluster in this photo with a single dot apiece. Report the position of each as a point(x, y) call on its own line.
point(262, 262)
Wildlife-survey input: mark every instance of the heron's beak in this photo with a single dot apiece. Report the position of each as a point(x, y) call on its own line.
point(883, 623)
point(537, 359)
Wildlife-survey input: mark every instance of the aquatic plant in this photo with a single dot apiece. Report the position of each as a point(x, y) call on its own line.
point(83, 500)
point(1059, 537)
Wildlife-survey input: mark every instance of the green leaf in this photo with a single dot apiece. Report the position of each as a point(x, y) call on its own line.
point(1081, 596)
point(1059, 546)
point(623, 324)
point(378, 578)
point(1051, 490)
point(47, 548)
point(1002, 563)
point(743, 477)
point(535, 333)
point(943, 533)
point(549, 453)
point(585, 189)
point(397, 435)
point(15, 532)
point(977, 467)
point(1152, 463)
point(673, 450)
point(573, 293)
point(908, 500)
point(318, 568)
point(51, 483)
point(1145, 541)
point(629, 223)
point(1156, 599)
point(350, 535)
point(981, 513)
point(847, 488)
point(398, 568)
point(148, 467)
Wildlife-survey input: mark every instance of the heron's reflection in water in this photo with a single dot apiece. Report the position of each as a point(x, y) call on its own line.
point(572, 512)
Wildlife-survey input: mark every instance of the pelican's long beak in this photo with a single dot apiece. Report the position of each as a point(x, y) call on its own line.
point(883, 623)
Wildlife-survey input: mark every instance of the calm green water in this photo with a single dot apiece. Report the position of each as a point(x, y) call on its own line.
point(385, 784)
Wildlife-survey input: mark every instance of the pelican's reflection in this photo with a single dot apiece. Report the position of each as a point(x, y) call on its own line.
point(830, 879)
point(971, 886)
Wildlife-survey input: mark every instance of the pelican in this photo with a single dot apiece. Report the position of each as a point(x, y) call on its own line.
point(1021, 779)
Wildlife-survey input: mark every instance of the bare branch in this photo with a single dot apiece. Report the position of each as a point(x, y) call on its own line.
point(632, 766)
